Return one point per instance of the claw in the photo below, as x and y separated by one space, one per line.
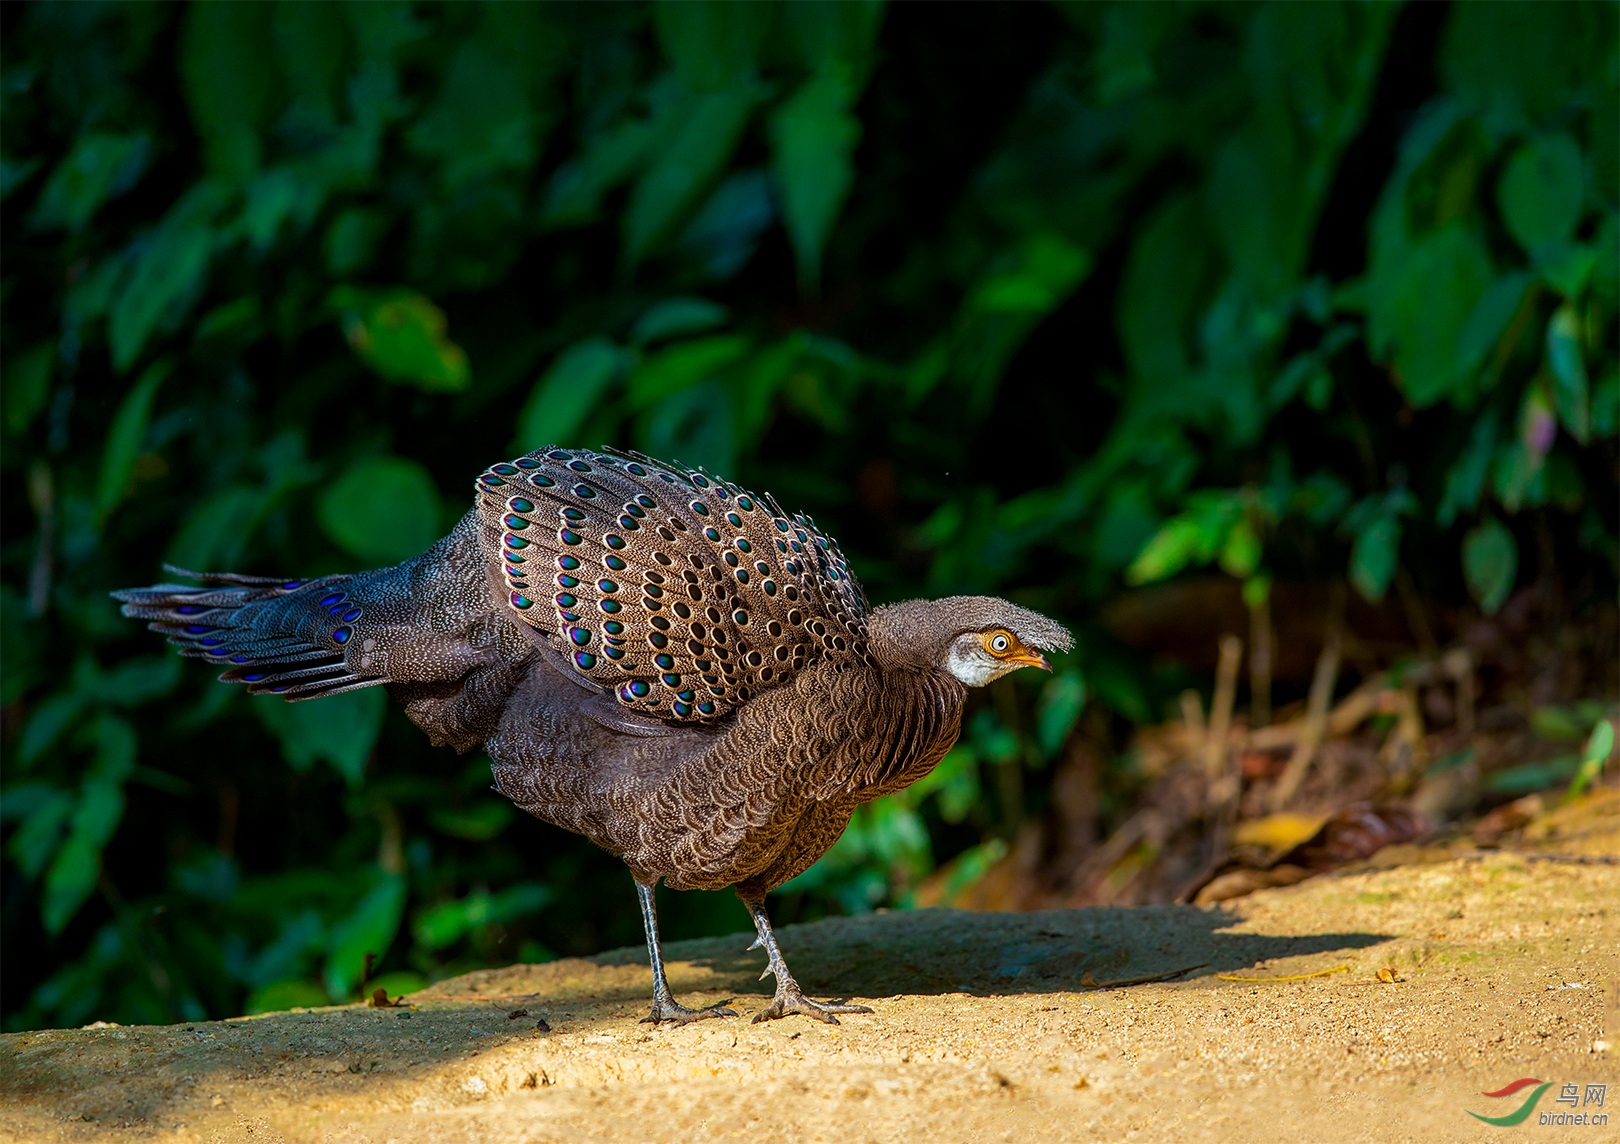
786 1003
758 944
674 1013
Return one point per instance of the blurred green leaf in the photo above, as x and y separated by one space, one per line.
370 927
571 388
96 815
813 139
167 269
678 317
1490 563
341 729
1540 192
100 167
1373 557
686 162
28 384
352 238
382 509
1428 311
1240 554
125 438
1568 369
683 365
711 42
954 783
1062 700
480 822
402 336
447 922
35 840
283 995
217 529
228 80
1596 753
1529 777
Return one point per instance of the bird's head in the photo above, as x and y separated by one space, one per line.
978 639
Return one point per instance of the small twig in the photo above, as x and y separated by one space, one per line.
1294 977
1088 982
1316 707
1220 709
1260 662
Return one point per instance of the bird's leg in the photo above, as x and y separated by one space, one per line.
664 1006
789 997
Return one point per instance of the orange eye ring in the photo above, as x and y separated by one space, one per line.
1000 643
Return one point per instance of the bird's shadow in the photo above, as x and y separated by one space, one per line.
937 951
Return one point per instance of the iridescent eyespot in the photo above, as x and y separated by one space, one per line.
700 508
614 627
565 581
613 541
518 504
580 636
568 562
636 469
712 535
734 520
607 585
514 522
614 563
504 470
521 601
745 504
585 659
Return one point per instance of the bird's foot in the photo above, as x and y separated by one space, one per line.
669 1011
792 1000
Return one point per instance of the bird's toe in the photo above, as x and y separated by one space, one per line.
784 1004
673 1013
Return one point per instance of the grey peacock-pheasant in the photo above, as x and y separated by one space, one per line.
653 657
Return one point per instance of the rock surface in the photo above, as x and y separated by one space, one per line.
1504 964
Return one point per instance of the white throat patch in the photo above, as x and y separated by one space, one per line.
969 663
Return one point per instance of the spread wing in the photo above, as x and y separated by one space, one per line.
681 593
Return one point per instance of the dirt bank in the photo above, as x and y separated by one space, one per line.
1504 963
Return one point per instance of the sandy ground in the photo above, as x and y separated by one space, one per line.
1506 965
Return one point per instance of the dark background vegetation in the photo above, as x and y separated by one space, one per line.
1042 300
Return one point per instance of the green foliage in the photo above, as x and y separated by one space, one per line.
1038 301
381 509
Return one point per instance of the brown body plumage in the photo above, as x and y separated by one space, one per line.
653 658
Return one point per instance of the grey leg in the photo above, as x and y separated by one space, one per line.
665 1007
789 998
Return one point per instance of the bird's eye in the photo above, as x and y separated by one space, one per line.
999 643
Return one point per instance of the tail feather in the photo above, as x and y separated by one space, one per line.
285 637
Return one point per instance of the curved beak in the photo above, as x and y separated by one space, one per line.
1025 657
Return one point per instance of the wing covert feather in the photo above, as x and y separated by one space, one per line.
681 593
